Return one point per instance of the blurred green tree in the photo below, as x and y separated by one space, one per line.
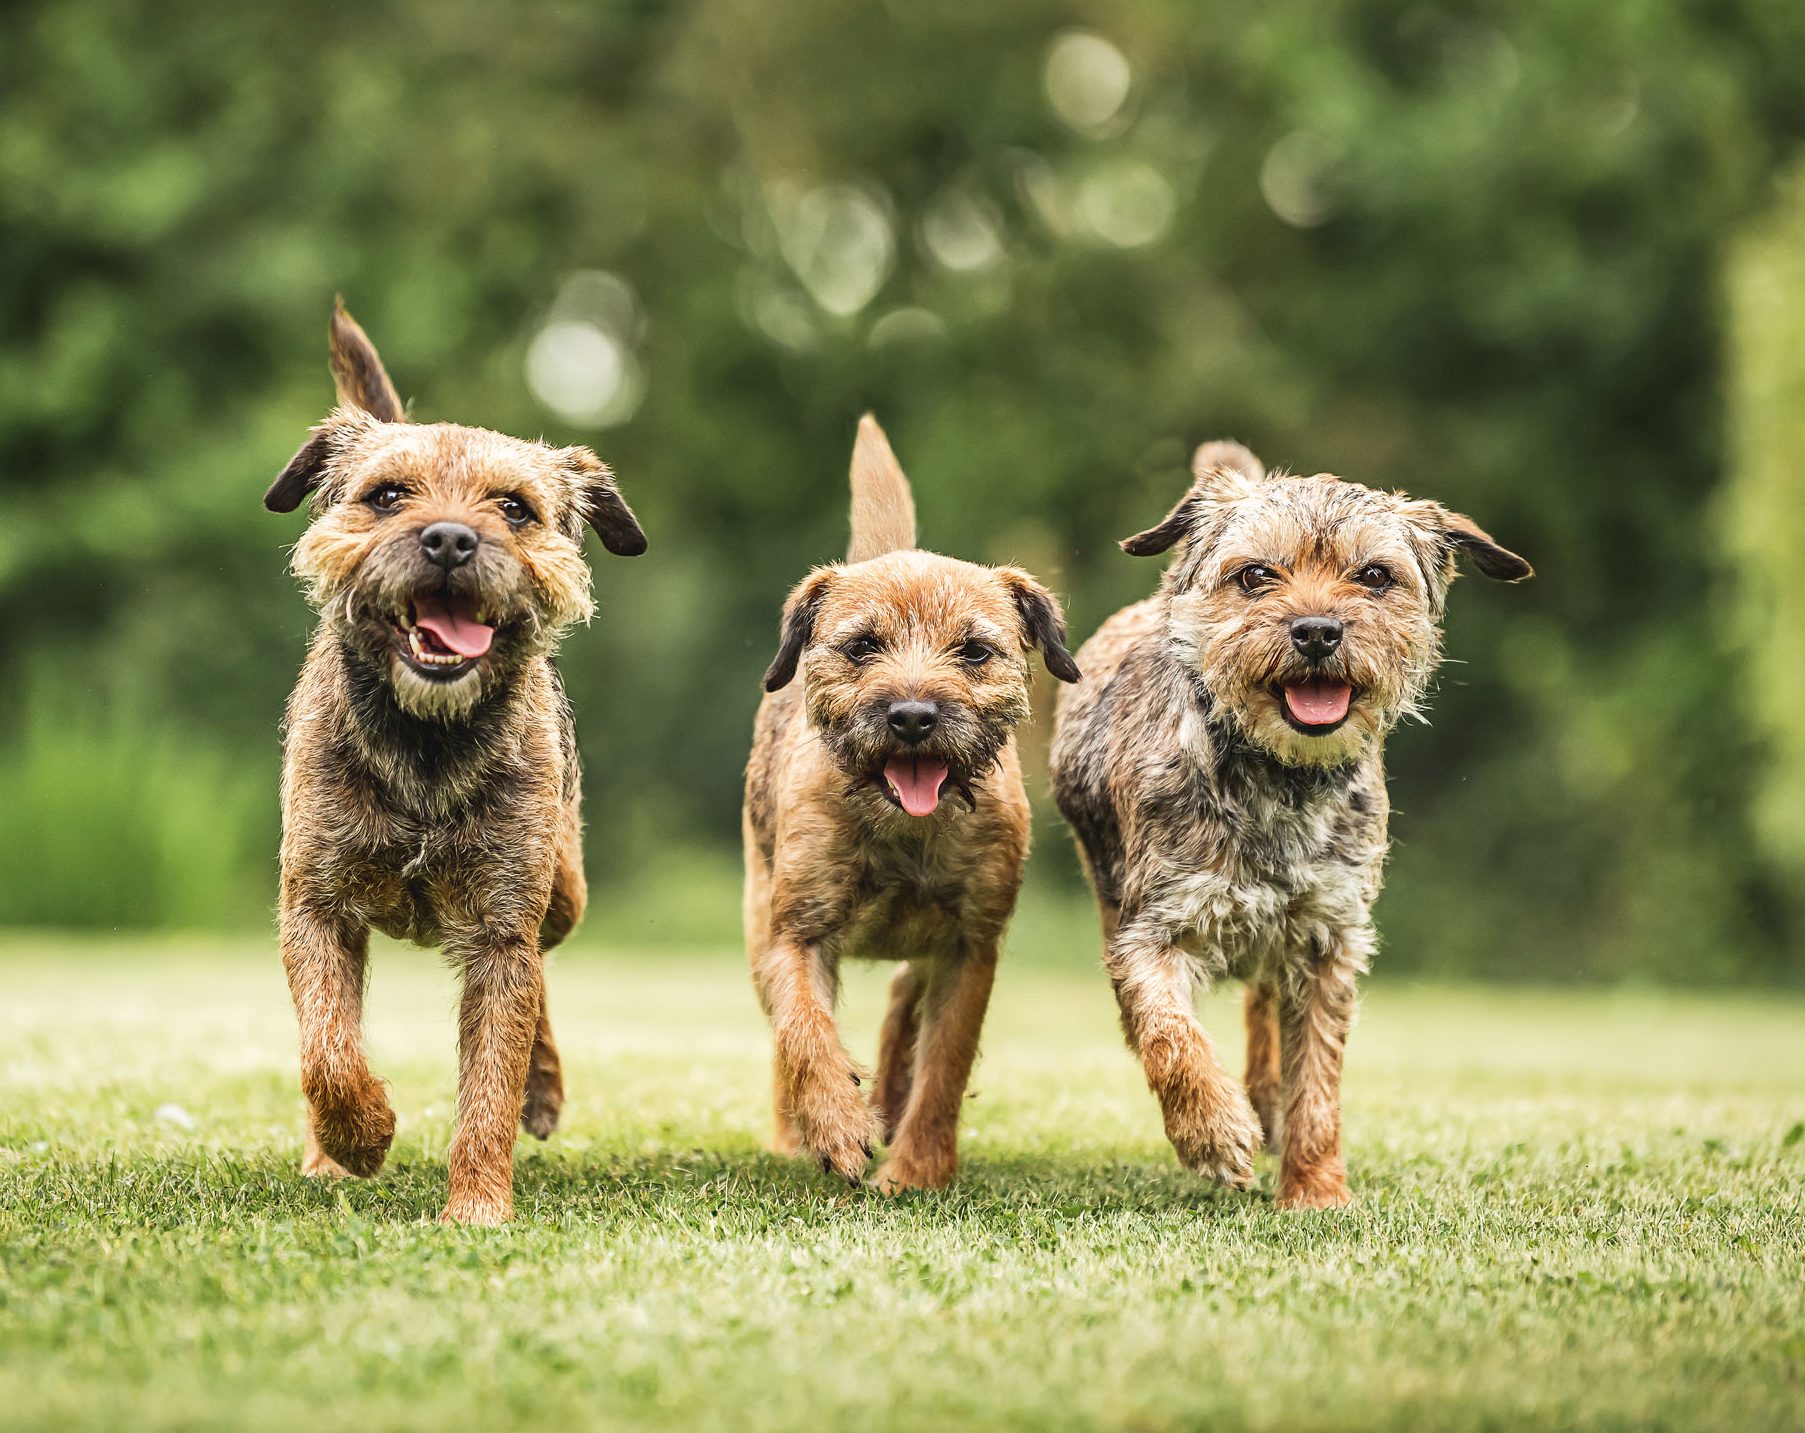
1467 249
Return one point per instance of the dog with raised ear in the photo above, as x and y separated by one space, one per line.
885 818
1221 766
430 788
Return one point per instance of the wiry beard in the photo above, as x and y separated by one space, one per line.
363 615
1244 667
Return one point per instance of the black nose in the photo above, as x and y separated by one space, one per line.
1316 637
450 544
912 721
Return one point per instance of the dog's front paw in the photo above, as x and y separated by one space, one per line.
356 1135
838 1128
1219 1139
477 1211
1321 1187
908 1168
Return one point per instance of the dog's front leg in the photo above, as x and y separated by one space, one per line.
1208 1118
817 1087
504 993
1316 1009
956 995
350 1124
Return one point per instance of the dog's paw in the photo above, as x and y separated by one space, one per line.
477 1212
1265 1101
1324 1187
356 1137
910 1169
1218 1140
544 1102
316 1164
839 1129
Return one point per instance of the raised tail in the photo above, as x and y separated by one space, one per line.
883 509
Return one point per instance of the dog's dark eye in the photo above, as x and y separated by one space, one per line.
387 497
1374 577
861 650
975 654
1253 577
515 510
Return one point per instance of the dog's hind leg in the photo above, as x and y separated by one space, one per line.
896 1048
1263 1080
350 1124
544 1080
545 1073
956 995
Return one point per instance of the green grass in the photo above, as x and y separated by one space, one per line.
1574 1210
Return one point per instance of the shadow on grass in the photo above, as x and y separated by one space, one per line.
567 1188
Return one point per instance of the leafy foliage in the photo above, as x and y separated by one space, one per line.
1469 250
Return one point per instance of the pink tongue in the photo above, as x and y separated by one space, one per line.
463 635
1318 703
916 780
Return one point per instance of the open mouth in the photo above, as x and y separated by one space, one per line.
443 637
913 780
1315 706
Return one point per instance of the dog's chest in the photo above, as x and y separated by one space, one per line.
1279 871
907 904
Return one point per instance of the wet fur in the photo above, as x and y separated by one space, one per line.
443 813
1222 842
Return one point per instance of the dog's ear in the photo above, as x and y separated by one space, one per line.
1498 563
601 505
1225 456
357 370
1218 470
1455 534
1043 625
303 473
799 614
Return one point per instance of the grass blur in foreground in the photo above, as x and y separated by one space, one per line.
1580 1210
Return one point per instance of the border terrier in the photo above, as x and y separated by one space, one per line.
430 787
1221 767
885 818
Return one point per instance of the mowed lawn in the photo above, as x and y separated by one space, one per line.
1575 1209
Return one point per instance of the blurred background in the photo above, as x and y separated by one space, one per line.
1545 263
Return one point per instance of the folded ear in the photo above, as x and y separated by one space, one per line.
1497 563
357 370
1043 625
1218 470
1164 535
303 473
602 506
798 627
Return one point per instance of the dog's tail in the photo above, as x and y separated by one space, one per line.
883 509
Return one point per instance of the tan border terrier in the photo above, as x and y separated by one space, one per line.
1221 767
430 788
885 818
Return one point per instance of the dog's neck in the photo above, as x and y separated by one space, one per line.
426 765
1250 775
